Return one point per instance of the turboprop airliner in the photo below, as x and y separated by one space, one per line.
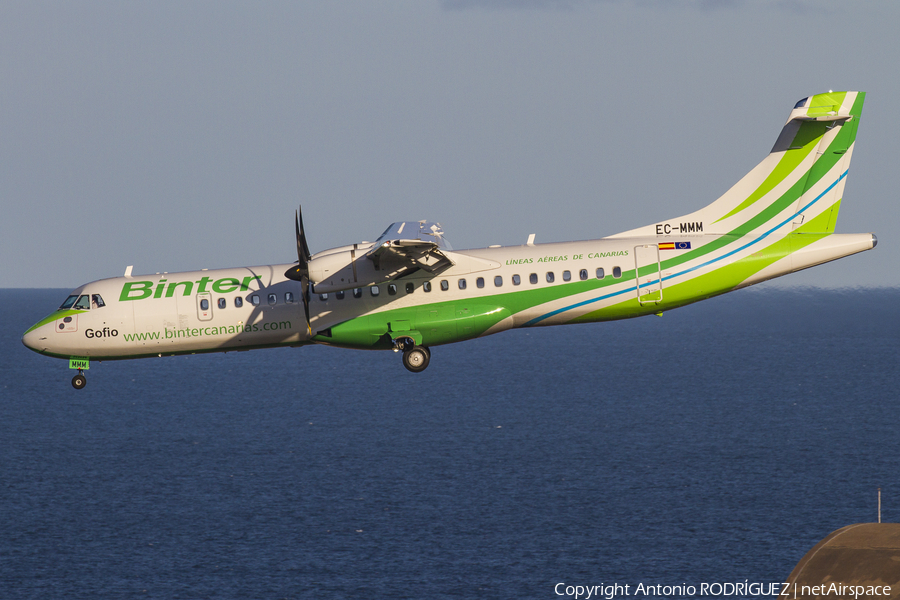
409 291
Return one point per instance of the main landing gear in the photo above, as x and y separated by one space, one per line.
79 381
415 358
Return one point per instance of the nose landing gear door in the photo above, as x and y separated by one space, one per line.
648 279
204 306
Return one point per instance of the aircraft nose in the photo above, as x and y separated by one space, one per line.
36 338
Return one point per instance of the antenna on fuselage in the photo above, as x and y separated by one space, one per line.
128 270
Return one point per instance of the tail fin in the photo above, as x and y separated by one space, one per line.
802 178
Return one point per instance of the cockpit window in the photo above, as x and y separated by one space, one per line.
97 301
84 303
69 302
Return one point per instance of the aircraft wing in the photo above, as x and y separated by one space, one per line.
413 244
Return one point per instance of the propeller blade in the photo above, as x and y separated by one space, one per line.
301 271
302 248
304 283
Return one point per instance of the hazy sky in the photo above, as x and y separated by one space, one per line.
182 135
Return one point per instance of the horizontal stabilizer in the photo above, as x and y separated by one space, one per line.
822 107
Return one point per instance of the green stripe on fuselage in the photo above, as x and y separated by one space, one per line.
458 319
721 280
54 316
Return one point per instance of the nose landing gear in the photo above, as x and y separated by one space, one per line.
79 381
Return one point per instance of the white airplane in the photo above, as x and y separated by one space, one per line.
409 291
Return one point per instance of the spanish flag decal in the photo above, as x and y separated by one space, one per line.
675 246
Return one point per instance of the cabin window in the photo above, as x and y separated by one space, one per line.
289 297
445 285
222 302
339 295
238 302
532 278
84 303
272 299
357 292
462 284
600 273
516 280
97 301
323 297
479 282
374 290
550 277
426 287
254 299
617 272
69 302
410 287
567 276
583 274
498 281
392 289
204 304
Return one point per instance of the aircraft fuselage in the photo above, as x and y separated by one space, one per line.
222 310
408 290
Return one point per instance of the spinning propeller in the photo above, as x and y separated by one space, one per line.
301 271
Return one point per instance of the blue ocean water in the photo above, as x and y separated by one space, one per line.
715 444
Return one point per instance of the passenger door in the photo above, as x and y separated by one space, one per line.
647 276
204 306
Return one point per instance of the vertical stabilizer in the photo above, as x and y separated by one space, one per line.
801 179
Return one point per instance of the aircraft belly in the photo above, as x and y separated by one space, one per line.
435 324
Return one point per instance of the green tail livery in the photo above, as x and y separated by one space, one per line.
409 291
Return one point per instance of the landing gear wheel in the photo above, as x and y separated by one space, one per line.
417 359
79 381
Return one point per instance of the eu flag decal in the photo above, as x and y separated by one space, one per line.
675 246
